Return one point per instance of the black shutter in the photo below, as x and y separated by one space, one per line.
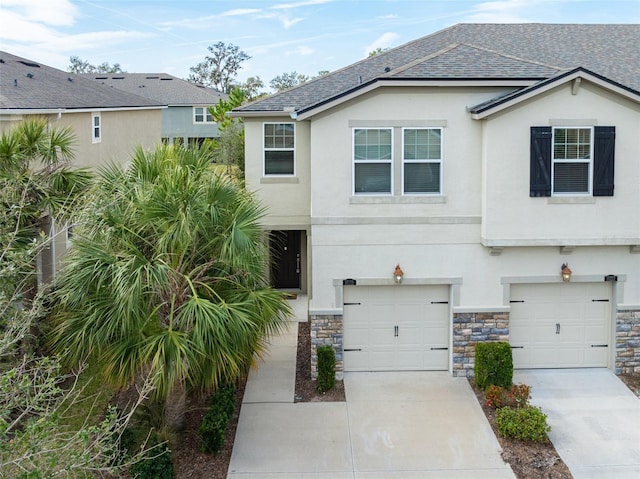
540 161
603 160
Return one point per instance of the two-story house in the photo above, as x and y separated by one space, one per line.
108 123
481 160
186 120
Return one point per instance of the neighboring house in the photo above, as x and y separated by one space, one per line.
108 123
187 119
479 159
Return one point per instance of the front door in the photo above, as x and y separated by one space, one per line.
285 259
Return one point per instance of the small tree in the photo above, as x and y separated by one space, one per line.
288 80
77 65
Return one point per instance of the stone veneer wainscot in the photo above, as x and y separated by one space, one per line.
628 341
327 330
472 328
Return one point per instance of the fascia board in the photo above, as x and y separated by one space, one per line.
603 83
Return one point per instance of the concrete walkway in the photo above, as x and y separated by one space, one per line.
595 420
423 425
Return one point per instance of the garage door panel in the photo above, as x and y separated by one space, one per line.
396 327
555 325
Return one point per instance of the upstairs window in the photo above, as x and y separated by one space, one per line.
96 128
422 161
279 149
201 115
572 161
572 154
372 161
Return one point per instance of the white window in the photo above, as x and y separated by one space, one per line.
572 161
279 149
96 128
201 115
372 161
421 161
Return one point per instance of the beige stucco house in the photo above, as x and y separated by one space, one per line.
108 123
480 159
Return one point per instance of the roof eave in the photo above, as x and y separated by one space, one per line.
549 84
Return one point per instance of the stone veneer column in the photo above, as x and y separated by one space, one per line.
628 341
326 330
472 328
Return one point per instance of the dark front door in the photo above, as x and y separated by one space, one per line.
285 259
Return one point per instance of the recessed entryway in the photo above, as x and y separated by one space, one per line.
286 258
560 325
395 328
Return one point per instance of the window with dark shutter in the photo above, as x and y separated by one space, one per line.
540 161
603 160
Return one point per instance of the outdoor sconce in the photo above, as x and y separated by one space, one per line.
398 274
566 273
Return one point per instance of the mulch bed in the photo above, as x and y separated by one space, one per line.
528 460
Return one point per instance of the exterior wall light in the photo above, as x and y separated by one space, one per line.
565 273
398 274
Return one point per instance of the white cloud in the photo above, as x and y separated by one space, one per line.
288 23
304 3
391 16
208 20
502 11
302 50
383 41
238 12
50 12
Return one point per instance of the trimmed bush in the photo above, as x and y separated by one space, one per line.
516 397
213 428
493 365
527 423
157 465
326 368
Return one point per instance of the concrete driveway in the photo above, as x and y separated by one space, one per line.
595 420
423 425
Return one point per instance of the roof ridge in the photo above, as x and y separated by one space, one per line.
420 60
512 57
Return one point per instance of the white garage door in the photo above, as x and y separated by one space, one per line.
560 325
393 328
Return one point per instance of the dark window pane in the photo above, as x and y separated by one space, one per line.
278 162
571 178
422 177
372 178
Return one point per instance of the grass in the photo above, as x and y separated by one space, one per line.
93 396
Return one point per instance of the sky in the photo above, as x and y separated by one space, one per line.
306 36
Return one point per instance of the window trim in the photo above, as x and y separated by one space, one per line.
390 162
205 115
96 138
265 149
590 161
439 161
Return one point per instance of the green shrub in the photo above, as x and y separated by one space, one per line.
527 423
516 397
493 365
326 368
157 465
213 428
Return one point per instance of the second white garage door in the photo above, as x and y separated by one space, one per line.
562 325
394 328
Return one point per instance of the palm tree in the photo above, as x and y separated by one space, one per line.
166 278
36 181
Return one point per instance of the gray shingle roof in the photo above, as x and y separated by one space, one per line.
481 51
25 84
161 87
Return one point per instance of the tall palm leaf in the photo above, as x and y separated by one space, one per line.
166 276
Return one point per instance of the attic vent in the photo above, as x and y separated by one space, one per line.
1 60
387 69
152 78
117 78
69 78
29 64
29 75
102 78
166 78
